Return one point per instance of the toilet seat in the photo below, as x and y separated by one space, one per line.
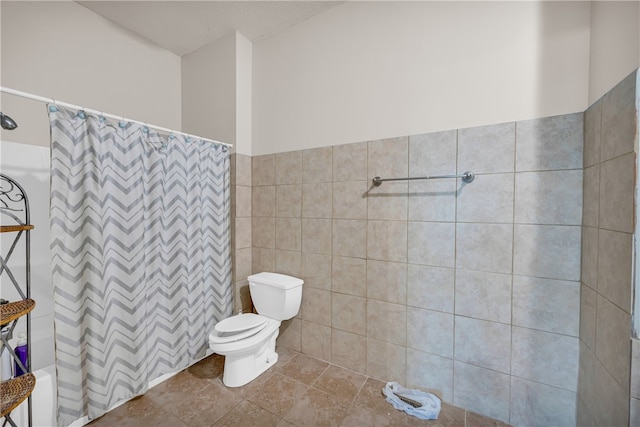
237 327
240 322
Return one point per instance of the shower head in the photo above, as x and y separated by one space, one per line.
7 122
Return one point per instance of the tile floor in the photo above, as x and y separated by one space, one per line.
298 391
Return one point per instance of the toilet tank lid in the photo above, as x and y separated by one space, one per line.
276 279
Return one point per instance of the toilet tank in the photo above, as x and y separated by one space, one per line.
274 295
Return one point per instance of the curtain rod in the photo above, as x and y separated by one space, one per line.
111 116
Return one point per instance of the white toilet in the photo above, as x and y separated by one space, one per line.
248 341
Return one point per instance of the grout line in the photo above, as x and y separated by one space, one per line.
513 258
455 255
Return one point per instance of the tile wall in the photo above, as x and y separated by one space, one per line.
469 290
607 255
241 250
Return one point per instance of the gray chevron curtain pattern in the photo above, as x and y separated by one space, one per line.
140 256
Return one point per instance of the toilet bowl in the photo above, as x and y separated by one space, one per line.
248 352
248 341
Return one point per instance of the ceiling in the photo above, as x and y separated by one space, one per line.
185 26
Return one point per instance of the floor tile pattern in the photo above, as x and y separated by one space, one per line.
298 391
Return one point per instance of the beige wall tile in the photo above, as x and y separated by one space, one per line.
242 237
544 357
432 200
289 168
483 295
387 321
350 200
290 334
316 235
611 407
242 264
232 169
583 414
430 373
588 298
430 331
591 190
388 158
387 240
349 313
387 281
482 391
483 343
635 369
263 260
288 234
587 387
263 201
263 232
590 256
547 251
610 135
430 287
317 200
552 197
349 276
617 184
431 243
533 306
317 165
316 340
316 270
263 170
242 296
388 202
550 143
592 132
484 247
288 262
634 412
489 198
619 119
242 202
487 149
316 306
243 170
386 361
350 162
349 350
288 201
349 238
615 269
539 404
613 343
379 290
432 153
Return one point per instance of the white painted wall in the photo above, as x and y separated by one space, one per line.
209 90
615 44
244 100
371 70
216 91
64 51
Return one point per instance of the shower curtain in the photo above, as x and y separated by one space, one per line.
141 260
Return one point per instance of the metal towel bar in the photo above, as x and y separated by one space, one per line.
466 177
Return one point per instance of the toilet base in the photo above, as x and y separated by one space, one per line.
241 368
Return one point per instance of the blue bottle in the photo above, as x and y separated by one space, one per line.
21 351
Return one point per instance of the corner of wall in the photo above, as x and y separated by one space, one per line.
244 93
